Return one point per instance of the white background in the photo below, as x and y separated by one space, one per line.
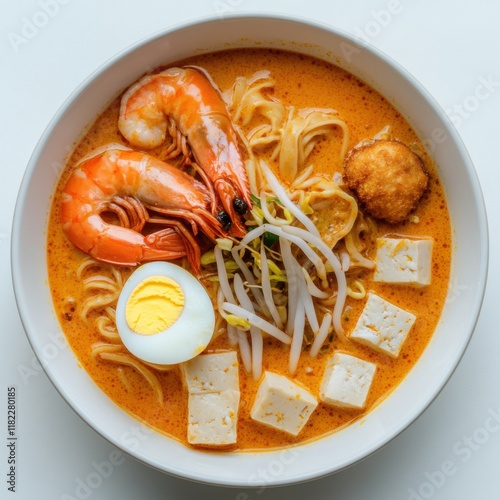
451 47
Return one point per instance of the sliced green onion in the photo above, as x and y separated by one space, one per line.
231 266
270 239
255 200
208 258
305 206
224 243
238 322
288 215
273 267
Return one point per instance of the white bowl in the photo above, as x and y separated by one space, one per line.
405 404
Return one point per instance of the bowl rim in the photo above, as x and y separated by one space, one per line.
356 42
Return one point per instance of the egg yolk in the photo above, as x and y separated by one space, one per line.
154 305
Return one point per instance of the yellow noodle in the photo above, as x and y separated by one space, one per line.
160 368
127 359
84 265
100 347
107 328
97 301
356 290
123 379
301 133
100 283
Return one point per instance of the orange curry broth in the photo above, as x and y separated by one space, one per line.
304 82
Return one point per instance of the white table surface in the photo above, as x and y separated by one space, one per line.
451 47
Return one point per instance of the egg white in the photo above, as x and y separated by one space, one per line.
187 336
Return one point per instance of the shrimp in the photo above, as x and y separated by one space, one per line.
128 184
187 96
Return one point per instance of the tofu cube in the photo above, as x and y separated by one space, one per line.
211 373
213 418
382 326
282 404
212 382
403 261
346 381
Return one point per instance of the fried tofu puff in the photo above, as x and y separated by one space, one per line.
388 179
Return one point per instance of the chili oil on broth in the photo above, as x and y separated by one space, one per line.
301 81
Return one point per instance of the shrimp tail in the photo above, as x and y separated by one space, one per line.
122 246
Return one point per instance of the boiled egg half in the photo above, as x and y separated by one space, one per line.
164 314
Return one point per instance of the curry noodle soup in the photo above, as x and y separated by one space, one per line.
311 127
